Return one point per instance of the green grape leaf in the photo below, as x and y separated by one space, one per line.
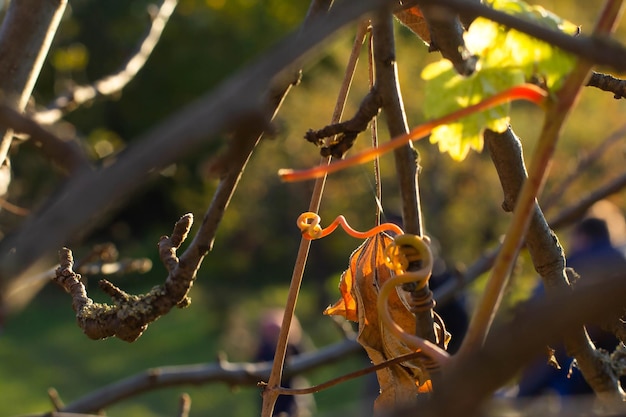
506 58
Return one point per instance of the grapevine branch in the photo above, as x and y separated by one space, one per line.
607 82
405 158
446 33
130 315
270 393
348 130
600 50
113 83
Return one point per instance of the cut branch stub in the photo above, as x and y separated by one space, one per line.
346 132
129 315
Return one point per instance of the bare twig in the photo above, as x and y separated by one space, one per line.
607 82
269 393
130 315
348 130
225 372
55 398
352 375
12 208
583 163
113 83
446 33
575 211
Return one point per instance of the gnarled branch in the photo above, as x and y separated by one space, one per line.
130 315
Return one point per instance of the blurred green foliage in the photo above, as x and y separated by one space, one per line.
249 269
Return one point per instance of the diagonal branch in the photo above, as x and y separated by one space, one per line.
86 197
113 83
601 50
64 153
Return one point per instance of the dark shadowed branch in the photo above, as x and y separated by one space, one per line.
469 383
607 82
597 49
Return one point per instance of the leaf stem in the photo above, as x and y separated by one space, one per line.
528 92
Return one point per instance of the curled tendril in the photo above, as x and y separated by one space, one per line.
408 249
309 224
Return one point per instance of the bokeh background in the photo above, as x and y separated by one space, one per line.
249 269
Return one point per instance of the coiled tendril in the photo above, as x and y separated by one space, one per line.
405 251
309 224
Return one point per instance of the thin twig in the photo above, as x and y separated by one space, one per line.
113 83
349 376
14 209
55 398
583 163
575 211
269 393
598 49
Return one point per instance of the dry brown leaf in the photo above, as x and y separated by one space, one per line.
359 288
413 19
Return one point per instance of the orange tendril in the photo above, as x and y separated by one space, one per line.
528 92
309 224
396 259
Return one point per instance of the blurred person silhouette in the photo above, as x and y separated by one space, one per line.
593 256
269 326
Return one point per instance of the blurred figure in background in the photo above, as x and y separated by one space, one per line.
593 256
286 405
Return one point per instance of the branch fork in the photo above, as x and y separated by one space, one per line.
129 315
